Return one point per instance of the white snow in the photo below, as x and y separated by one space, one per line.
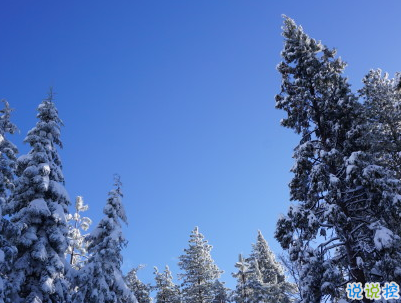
59 189
383 238
359 262
333 180
58 213
45 168
48 285
350 168
396 199
1 256
40 206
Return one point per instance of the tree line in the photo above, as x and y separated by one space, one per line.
343 225
259 278
46 256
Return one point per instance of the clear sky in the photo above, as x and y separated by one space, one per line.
177 96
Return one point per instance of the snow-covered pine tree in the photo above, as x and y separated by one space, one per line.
8 152
199 270
138 288
382 110
77 246
271 270
346 201
7 254
250 287
38 209
242 292
272 273
259 290
220 292
101 279
8 159
166 290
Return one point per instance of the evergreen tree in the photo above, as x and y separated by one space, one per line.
138 288
77 248
8 153
250 287
255 283
220 292
101 280
7 167
242 292
199 269
271 272
260 278
166 290
38 209
7 254
346 200
382 110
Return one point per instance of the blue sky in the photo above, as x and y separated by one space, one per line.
178 98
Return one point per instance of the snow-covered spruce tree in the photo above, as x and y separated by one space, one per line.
199 270
220 292
8 159
342 226
38 208
259 290
250 287
382 110
7 254
77 246
166 290
8 152
272 273
242 292
138 288
101 280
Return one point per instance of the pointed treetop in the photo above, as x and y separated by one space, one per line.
114 207
261 239
50 94
118 184
6 126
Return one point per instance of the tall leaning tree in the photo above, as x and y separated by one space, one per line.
346 203
8 152
38 209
